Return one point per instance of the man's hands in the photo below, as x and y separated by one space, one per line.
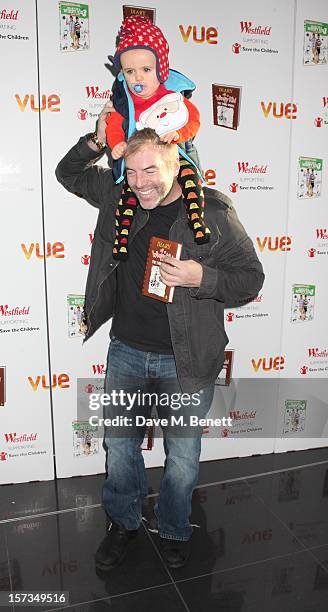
119 150
170 137
101 125
177 273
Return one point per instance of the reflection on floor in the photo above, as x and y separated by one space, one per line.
260 542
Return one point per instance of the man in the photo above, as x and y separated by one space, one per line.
175 348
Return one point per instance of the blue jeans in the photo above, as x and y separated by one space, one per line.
134 371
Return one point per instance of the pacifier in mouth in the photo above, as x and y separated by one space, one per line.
138 88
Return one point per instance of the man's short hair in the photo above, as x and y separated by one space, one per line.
148 136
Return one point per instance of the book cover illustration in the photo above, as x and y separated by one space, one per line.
85 439
226 105
224 377
309 177
294 417
303 297
315 48
139 11
75 307
153 287
73 26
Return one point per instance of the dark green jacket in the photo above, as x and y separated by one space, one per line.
232 273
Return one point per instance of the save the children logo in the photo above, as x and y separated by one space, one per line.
317 360
31 102
268 364
279 110
199 34
16 319
55 249
321 246
82 114
85 258
61 381
251 177
255 39
274 243
322 118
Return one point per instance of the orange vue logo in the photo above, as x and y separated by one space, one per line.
268 363
279 110
277 243
199 34
29 101
56 249
61 381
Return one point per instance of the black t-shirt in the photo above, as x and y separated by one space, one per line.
141 321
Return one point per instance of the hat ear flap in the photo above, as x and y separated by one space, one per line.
193 198
124 215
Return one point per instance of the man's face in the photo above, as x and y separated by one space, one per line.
139 68
152 177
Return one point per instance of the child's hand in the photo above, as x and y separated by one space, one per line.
170 137
119 150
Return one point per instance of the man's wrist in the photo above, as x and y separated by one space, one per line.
96 143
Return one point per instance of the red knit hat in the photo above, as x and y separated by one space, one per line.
140 33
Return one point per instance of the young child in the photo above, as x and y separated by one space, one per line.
148 94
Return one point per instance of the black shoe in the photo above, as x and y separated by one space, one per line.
112 549
175 552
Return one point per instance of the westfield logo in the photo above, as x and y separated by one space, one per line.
50 103
14 438
247 27
274 243
99 368
62 381
247 168
52 250
314 352
6 15
199 34
236 415
279 110
321 234
5 311
268 363
93 92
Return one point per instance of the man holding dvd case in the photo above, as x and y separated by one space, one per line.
157 349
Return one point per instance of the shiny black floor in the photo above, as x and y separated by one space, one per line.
260 541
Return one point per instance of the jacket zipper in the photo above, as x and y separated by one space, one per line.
113 267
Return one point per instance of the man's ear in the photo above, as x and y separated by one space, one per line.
176 167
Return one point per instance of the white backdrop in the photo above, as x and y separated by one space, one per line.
289 232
